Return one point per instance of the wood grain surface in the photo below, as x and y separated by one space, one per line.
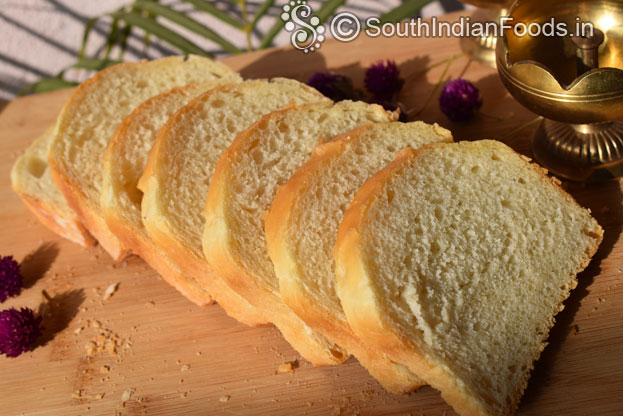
175 358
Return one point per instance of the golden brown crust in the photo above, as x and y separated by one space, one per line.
219 250
394 377
163 236
360 304
136 239
370 322
63 175
69 228
95 224
142 246
70 191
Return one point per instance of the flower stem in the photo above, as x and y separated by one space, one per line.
435 65
437 85
491 116
521 128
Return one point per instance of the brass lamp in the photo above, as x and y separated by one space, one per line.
575 82
482 48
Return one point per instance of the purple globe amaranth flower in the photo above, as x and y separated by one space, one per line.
11 279
334 86
460 100
383 80
18 331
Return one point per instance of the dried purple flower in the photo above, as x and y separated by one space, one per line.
18 331
11 279
334 86
383 80
460 100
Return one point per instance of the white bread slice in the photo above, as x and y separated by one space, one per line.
312 204
177 176
124 161
244 184
92 114
455 260
31 179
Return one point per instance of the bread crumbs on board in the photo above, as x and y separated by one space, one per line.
110 290
224 399
288 367
105 341
127 395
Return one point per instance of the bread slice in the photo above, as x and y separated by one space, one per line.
92 114
244 184
31 179
455 260
177 176
312 204
124 161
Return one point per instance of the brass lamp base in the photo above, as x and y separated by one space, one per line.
482 48
580 152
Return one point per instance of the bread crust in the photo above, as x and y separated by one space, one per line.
52 212
218 249
142 246
134 238
355 286
71 192
392 376
163 235
63 175
69 228
92 222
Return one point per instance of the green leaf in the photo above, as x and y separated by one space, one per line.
123 40
47 84
408 8
163 33
268 38
146 36
187 23
328 8
91 64
88 27
208 7
94 64
112 37
261 11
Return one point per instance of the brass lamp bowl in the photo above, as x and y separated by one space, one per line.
482 48
575 82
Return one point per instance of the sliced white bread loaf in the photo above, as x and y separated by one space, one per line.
455 260
124 161
177 176
92 114
244 184
31 179
302 224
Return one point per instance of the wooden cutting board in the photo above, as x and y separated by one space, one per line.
176 358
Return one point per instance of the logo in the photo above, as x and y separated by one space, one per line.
307 35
